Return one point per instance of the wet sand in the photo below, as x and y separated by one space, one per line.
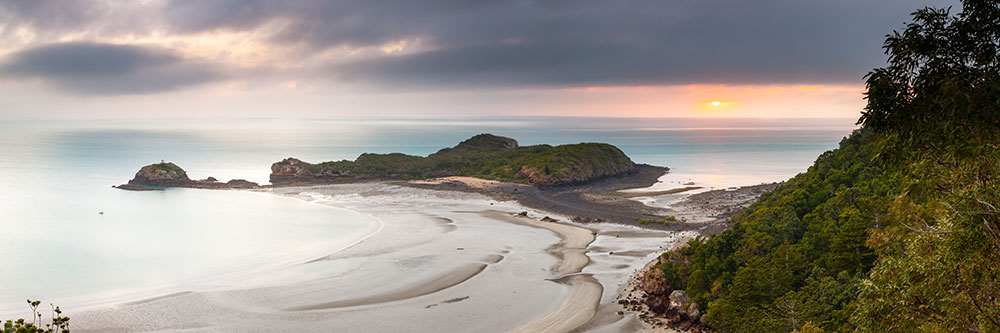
585 292
452 256
444 261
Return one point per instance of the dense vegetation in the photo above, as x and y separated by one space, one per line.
489 157
898 229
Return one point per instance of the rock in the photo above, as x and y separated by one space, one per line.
678 299
523 214
653 283
656 305
241 183
132 187
293 169
211 179
549 219
693 312
587 219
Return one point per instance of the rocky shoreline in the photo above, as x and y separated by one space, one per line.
659 306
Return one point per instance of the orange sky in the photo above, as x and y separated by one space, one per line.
320 99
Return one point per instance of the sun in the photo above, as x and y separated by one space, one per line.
716 103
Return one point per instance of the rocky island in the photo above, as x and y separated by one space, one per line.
483 156
164 174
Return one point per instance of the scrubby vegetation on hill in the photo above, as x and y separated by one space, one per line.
899 228
484 156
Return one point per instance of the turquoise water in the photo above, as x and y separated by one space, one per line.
56 176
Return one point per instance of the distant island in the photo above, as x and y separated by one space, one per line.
580 180
484 156
164 174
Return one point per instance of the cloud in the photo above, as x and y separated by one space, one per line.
501 43
107 69
577 43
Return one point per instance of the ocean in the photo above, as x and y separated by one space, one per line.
56 176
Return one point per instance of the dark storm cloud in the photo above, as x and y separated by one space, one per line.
52 15
105 69
569 42
587 42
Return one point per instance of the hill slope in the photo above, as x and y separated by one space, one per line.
898 230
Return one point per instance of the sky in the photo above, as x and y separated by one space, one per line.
96 59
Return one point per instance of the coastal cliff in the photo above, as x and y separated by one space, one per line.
165 174
483 156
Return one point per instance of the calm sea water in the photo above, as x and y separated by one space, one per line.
56 176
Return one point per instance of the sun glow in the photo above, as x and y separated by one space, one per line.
716 103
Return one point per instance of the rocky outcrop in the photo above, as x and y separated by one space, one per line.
164 174
293 170
679 300
660 305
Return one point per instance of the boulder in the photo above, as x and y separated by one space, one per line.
678 300
653 284
693 312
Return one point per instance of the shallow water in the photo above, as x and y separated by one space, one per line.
55 177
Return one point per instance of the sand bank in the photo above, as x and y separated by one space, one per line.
443 261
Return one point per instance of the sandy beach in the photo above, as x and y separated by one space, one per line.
441 261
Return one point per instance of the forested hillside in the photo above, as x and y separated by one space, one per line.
484 156
898 229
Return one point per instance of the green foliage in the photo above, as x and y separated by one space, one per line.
58 323
803 239
165 167
936 108
898 229
492 157
669 220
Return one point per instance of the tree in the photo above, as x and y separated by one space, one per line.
936 109
59 323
